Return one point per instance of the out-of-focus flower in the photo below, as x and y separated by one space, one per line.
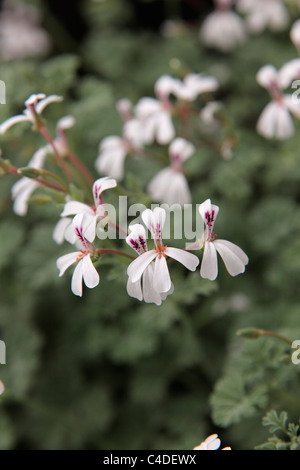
170 184
2 388
295 34
223 29
114 149
93 214
21 35
35 105
143 288
84 270
194 84
22 190
154 221
260 15
212 442
276 120
235 259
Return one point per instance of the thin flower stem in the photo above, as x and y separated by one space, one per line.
51 185
276 335
118 227
103 251
60 160
14 170
55 177
81 167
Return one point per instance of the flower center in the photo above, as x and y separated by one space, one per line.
161 251
82 254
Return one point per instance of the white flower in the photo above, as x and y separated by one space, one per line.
143 288
234 257
270 14
114 149
35 105
21 34
276 120
155 118
2 388
212 442
84 270
223 29
93 214
295 34
195 84
23 188
170 185
154 221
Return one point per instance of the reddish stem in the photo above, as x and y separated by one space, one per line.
103 251
64 167
81 167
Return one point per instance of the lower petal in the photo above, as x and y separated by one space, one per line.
209 265
162 280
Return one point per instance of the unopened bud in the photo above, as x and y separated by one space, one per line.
251 333
29 172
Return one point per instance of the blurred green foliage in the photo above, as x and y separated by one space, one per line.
109 372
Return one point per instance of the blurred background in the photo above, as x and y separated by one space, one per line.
107 371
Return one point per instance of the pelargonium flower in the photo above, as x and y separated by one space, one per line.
155 114
114 149
223 29
276 120
212 442
22 190
170 184
84 270
235 259
154 221
260 15
295 34
143 288
2 388
35 105
194 84
93 214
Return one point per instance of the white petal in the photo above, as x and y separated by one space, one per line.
59 230
209 264
293 105
111 162
137 238
149 293
181 148
165 131
138 266
100 185
21 192
188 260
66 260
233 256
65 122
90 274
38 158
162 280
208 208
41 105
76 207
266 75
76 283
154 220
12 121
134 289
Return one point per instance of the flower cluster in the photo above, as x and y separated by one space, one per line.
84 214
276 119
